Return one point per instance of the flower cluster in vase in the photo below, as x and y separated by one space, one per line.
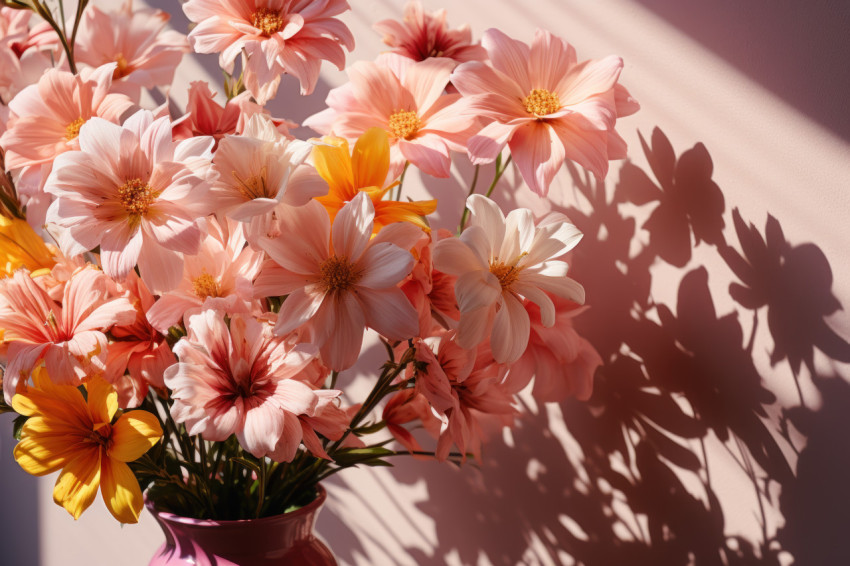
181 290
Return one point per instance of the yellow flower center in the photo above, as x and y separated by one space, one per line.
72 130
136 196
404 123
541 102
338 274
252 187
506 274
205 286
123 68
267 21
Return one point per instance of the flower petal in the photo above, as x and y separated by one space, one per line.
133 435
121 491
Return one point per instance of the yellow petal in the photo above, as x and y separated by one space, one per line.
61 402
333 163
76 487
42 455
20 247
370 161
121 491
103 400
133 434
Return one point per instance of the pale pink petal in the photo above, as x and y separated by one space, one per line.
389 313
511 329
384 265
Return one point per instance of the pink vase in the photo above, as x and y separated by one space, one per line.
286 539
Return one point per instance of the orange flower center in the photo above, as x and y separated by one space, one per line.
136 196
541 102
506 274
252 187
338 274
404 123
72 130
267 21
205 286
123 68
102 436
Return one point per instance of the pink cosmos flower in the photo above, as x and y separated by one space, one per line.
145 53
499 261
134 193
405 407
139 355
47 116
69 338
274 36
422 34
25 53
205 117
561 361
545 105
219 276
241 380
260 172
405 98
339 281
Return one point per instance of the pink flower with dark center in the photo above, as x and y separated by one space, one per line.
340 281
274 36
241 380
134 193
405 99
139 355
545 105
69 336
145 53
499 261
422 34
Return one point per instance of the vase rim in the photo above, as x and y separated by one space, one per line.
321 496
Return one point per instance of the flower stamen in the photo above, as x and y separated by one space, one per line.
205 286
72 130
136 197
541 102
506 274
123 68
338 274
252 187
267 21
404 124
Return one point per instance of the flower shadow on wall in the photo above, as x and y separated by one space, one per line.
638 475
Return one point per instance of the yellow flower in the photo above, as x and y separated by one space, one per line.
365 170
20 247
64 431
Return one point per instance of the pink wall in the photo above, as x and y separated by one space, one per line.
716 273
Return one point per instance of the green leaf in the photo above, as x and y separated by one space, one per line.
18 426
247 463
370 456
369 428
4 408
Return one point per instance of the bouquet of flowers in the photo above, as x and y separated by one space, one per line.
181 289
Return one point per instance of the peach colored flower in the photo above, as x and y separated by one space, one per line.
404 98
139 355
219 276
498 261
241 380
560 360
545 105
274 36
69 337
205 117
145 53
134 193
47 116
405 407
422 34
339 281
25 53
258 173
430 291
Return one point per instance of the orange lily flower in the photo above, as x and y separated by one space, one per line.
365 170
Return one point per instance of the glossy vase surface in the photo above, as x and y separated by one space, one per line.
282 540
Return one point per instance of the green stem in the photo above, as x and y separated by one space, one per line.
499 173
261 490
471 192
401 181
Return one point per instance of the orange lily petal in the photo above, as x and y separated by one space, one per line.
121 491
333 163
133 434
370 161
103 400
42 455
76 487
